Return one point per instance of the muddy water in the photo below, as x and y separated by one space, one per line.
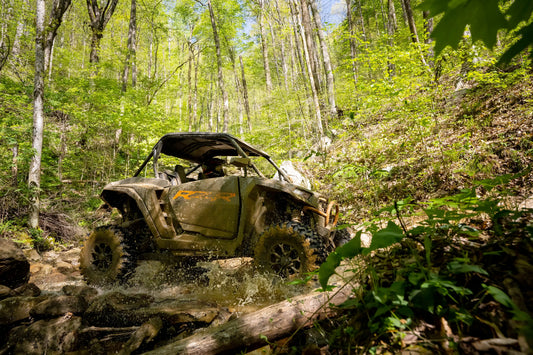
230 283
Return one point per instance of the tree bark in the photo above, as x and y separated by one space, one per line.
311 74
410 20
99 17
353 45
131 54
34 176
264 48
330 80
245 96
59 7
223 93
250 330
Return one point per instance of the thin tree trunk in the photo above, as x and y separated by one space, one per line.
59 7
264 48
245 96
391 29
330 82
132 50
411 21
223 93
312 54
353 45
34 176
14 165
314 91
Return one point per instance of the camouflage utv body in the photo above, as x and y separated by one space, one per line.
181 211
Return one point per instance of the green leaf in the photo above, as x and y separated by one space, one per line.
457 267
500 297
483 16
385 237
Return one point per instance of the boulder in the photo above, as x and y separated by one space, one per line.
56 336
86 292
15 309
6 292
58 306
118 310
14 267
28 290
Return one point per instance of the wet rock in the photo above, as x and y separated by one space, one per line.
145 334
176 311
57 336
58 306
5 292
120 310
27 290
64 267
14 267
86 292
15 309
116 309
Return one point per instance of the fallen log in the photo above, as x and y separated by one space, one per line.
256 329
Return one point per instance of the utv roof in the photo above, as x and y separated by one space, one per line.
199 147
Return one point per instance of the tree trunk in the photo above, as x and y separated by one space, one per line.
245 96
312 55
264 48
353 45
411 20
132 50
311 74
15 166
223 93
34 176
261 327
330 80
391 30
99 17
59 7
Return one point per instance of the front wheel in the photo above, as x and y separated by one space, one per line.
104 258
289 250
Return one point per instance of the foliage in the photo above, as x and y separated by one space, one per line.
485 19
439 269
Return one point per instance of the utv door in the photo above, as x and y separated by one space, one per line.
209 207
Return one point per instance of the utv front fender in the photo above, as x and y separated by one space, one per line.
147 201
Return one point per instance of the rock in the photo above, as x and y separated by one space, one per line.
116 309
86 292
28 290
145 334
58 306
14 267
57 336
32 255
64 267
119 310
6 292
15 309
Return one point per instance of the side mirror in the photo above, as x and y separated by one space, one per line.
240 162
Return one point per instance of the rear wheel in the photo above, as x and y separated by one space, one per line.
105 258
289 250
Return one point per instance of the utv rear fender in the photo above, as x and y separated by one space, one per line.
149 202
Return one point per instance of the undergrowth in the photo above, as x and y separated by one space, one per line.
452 282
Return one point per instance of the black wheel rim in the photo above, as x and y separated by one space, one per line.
102 256
285 260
